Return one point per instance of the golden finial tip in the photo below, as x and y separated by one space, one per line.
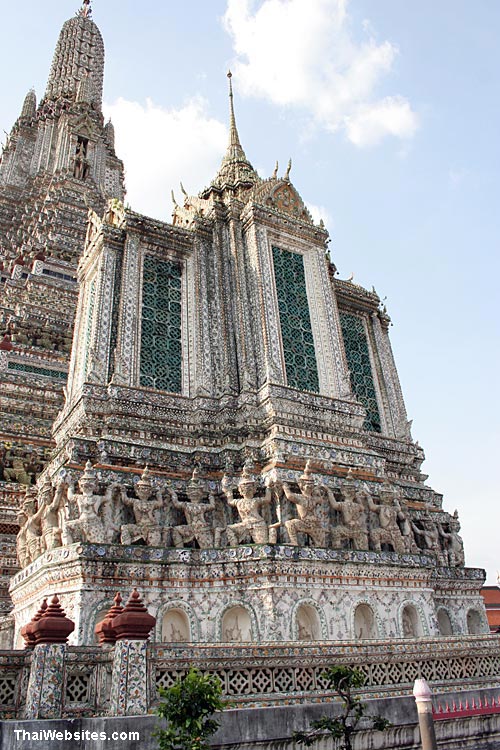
86 9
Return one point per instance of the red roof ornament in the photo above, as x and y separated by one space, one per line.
134 623
53 626
27 630
104 630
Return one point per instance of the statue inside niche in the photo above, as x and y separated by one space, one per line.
89 526
198 528
453 543
175 635
306 501
352 510
81 164
252 524
304 629
144 506
389 512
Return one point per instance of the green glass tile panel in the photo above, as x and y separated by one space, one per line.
295 321
161 346
57 374
358 361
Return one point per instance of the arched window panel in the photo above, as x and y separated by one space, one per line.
364 623
308 624
295 321
236 626
175 627
411 625
474 624
161 323
358 361
444 622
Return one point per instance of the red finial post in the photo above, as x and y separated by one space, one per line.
53 626
104 629
134 623
27 630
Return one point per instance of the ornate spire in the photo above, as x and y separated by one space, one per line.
29 106
235 168
234 150
86 10
79 53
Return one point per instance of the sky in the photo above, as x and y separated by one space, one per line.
391 114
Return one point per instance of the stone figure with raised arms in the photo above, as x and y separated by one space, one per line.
252 524
389 511
51 504
145 507
430 536
89 526
32 529
198 527
453 543
306 501
352 510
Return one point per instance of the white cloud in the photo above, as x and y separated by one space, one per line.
161 147
392 116
301 53
320 212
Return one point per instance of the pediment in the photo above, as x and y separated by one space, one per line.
84 126
281 195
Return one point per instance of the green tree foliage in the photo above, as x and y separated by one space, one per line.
343 680
188 707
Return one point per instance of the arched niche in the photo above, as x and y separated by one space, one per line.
175 627
236 625
411 625
444 622
474 622
364 623
307 623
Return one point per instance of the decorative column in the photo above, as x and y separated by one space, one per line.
394 405
244 331
44 698
423 699
129 314
129 686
